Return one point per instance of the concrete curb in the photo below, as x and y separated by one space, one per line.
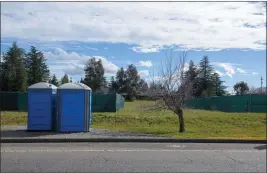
140 140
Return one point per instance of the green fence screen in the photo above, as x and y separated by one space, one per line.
107 102
16 101
119 102
244 103
23 102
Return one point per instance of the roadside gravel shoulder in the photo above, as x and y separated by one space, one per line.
8 132
19 134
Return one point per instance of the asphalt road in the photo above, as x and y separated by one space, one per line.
135 157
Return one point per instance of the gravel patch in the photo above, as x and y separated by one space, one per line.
13 132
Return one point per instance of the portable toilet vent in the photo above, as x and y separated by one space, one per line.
74 107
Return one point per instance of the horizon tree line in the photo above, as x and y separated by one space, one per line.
21 69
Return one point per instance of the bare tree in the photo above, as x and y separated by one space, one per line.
175 87
254 90
155 86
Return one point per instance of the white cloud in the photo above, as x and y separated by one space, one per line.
255 73
149 26
1 58
240 70
150 79
92 48
212 49
5 44
143 73
73 70
220 73
186 66
229 68
145 48
61 62
145 63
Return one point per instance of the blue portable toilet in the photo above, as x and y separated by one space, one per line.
74 107
41 106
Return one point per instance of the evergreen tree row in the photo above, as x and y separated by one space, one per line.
128 82
21 69
206 82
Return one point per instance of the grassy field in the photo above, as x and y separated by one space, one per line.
135 117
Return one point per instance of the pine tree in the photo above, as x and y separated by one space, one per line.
204 80
105 82
191 74
64 79
36 67
81 81
132 79
219 88
100 74
143 87
121 81
3 84
94 74
54 80
113 86
14 76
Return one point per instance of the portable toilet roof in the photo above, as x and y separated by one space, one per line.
42 85
74 86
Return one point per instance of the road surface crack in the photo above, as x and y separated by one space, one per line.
229 157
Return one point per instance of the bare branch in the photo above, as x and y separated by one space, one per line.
175 88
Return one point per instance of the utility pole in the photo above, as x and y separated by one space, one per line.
261 83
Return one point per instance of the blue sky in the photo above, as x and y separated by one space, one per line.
232 34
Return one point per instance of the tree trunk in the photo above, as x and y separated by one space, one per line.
181 121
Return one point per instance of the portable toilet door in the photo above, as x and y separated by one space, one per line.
73 107
41 106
